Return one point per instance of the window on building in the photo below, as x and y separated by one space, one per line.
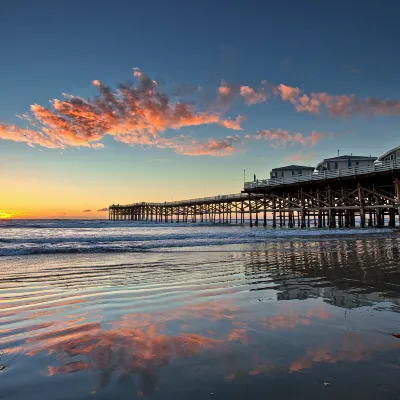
292 173
336 165
300 172
282 174
328 166
357 162
392 157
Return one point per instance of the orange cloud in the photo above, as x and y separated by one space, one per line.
235 124
130 114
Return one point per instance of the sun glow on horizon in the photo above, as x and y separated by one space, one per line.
5 214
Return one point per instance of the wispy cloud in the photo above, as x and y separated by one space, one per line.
301 157
282 138
100 209
213 147
132 114
352 69
87 211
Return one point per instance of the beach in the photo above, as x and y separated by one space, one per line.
99 309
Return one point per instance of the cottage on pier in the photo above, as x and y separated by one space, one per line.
291 170
343 162
391 155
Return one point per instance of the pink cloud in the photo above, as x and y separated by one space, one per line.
251 96
288 93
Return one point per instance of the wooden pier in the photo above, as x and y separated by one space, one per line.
364 196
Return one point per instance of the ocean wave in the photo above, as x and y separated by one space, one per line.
156 237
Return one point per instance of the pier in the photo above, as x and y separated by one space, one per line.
364 196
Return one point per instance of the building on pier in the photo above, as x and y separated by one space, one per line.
291 170
344 162
391 155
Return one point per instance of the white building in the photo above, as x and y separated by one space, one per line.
291 170
393 154
343 162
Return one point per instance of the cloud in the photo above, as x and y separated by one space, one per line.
102 209
338 105
86 211
343 105
213 147
132 114
302 102
235 124
229 92
301 157
251 96
281 138
352 69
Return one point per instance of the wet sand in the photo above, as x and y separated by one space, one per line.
289 318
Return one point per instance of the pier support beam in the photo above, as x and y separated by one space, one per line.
361 201
397 188
250 216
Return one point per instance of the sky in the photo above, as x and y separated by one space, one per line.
118 102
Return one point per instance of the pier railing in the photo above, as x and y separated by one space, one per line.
323 175
200 200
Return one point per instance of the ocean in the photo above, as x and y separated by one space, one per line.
124 310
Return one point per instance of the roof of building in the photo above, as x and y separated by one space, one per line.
388 153
292 167
347 157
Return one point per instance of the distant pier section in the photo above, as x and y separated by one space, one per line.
341 192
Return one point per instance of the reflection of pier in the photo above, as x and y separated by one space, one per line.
346 273
325 199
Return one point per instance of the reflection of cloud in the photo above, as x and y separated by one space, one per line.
290 319
352 347
132 352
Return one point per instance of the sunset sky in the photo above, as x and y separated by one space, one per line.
116 102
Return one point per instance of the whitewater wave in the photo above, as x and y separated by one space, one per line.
77 236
